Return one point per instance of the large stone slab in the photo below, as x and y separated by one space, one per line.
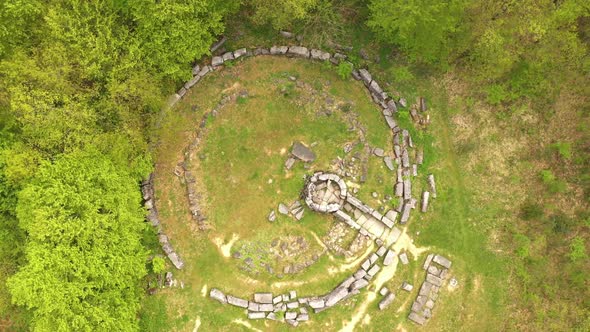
320 55
389 256
302 152
277 50
442 261
416 318
256 315
263 297
236 301
299 51
386 301
335 296
218 295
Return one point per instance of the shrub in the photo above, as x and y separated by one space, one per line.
344 70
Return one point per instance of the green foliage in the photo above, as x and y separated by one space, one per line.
18 20
158 265
496 94
550 180
344 69
523 245
577 249
84 256
280 14
171 34
323 22
564 149
423 29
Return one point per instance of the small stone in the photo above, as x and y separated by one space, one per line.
407 286
403 257
272 216
286 34
378 152
389 256
374 194
386 301
283 209
383 291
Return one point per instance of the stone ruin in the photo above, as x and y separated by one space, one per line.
328 193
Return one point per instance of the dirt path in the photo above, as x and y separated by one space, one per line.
246 324
225 249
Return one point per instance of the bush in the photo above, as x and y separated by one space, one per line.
496 94
577 249
344 70
564 149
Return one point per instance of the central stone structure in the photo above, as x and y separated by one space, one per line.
325 192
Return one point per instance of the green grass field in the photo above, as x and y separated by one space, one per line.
240 172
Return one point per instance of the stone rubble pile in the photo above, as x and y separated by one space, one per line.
437 268
147 189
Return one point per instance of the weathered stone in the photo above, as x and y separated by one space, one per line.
373 270
227 56
253 306
434 280
359 274
261 51
390 121
175 259
196 70
299 51
277 299
381 251
406 208
277 50
271 316
316 303
365 76
290 315
384 291
292 295
302 317
427 261
391 106
416 318
320 55
299 214
399 189
256 315
216 61
391 215
361 283
218 44
272 216
263 297
414 170
240 52
376 89
236 301
403 102
335 296
431 185
442 261
293 305
407 286
386 301
378 152
189 84
283 209
302 152
373 258
405 158
347 282
389 256
425 197
286 34
403 257
425 288
218 295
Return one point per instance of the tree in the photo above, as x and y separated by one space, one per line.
84 254
280 13
171 34
423 29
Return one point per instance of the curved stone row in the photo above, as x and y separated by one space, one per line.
147 189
